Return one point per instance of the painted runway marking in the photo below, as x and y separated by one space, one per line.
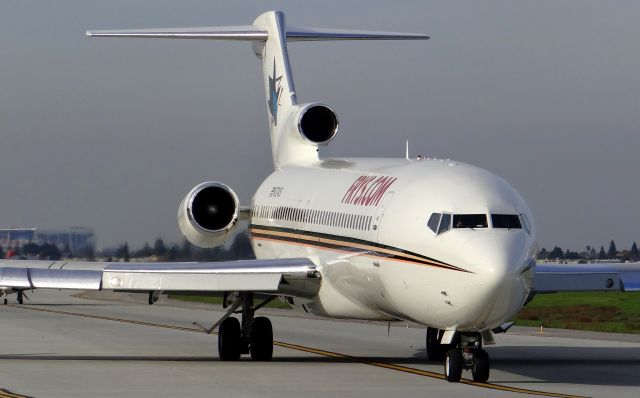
8 394
379 364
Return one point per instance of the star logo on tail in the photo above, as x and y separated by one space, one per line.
275 89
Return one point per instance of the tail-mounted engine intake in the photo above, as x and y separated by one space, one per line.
316 123
208 214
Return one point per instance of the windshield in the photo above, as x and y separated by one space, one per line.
509 221
470 221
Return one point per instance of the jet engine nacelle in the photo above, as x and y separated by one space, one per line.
315 123
208 214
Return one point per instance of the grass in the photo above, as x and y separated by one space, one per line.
601 311
277 303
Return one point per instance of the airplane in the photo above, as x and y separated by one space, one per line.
434 241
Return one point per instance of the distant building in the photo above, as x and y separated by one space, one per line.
77 239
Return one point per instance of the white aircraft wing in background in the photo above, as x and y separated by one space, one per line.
587 277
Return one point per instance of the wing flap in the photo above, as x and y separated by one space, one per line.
297 277
186 281
38 278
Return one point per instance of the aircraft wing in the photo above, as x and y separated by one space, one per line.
587 277
293 276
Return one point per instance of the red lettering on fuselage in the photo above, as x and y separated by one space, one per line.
367 190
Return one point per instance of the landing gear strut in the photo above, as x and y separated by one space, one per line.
435 350
254 335
464 353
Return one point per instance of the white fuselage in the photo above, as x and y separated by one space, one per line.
364 223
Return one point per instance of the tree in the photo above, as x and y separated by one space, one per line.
634 251
185 252
159 248
49 252
123 252
592 253
613 252
87 253
66 251
556 254
602 255
569 255
543 254
241 248
31 249
173 253
146 251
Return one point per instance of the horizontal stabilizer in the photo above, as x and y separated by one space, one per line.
252 33
246 33
315 34
269 36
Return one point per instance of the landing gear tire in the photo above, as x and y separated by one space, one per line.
435 350
481 366
261 339
6 301
229 340
20 298
453 365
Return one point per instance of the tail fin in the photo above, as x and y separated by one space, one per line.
269 35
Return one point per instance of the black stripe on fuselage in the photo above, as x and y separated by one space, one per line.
344 243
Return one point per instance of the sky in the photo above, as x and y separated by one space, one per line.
112 133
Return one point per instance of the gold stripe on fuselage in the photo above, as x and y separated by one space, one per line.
301 239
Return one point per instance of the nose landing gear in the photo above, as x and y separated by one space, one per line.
480 366
464 353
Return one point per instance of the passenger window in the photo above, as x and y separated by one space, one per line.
433 222
445 223
509 221
470 221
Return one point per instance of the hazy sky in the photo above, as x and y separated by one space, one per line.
112 133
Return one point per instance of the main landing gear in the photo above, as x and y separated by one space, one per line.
464 353
252 335
19 296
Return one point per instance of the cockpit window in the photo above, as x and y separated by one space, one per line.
525 223
445 223
470 221
433 222
509 221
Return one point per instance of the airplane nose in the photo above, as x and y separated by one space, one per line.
497 255
499 259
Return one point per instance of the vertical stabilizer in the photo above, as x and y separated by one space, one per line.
279 90
296 130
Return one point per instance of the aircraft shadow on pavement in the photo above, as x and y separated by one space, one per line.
123 358
170 358
615 366
619 366
70 305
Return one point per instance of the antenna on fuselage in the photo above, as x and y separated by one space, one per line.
406 150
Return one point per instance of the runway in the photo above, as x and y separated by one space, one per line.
58 345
